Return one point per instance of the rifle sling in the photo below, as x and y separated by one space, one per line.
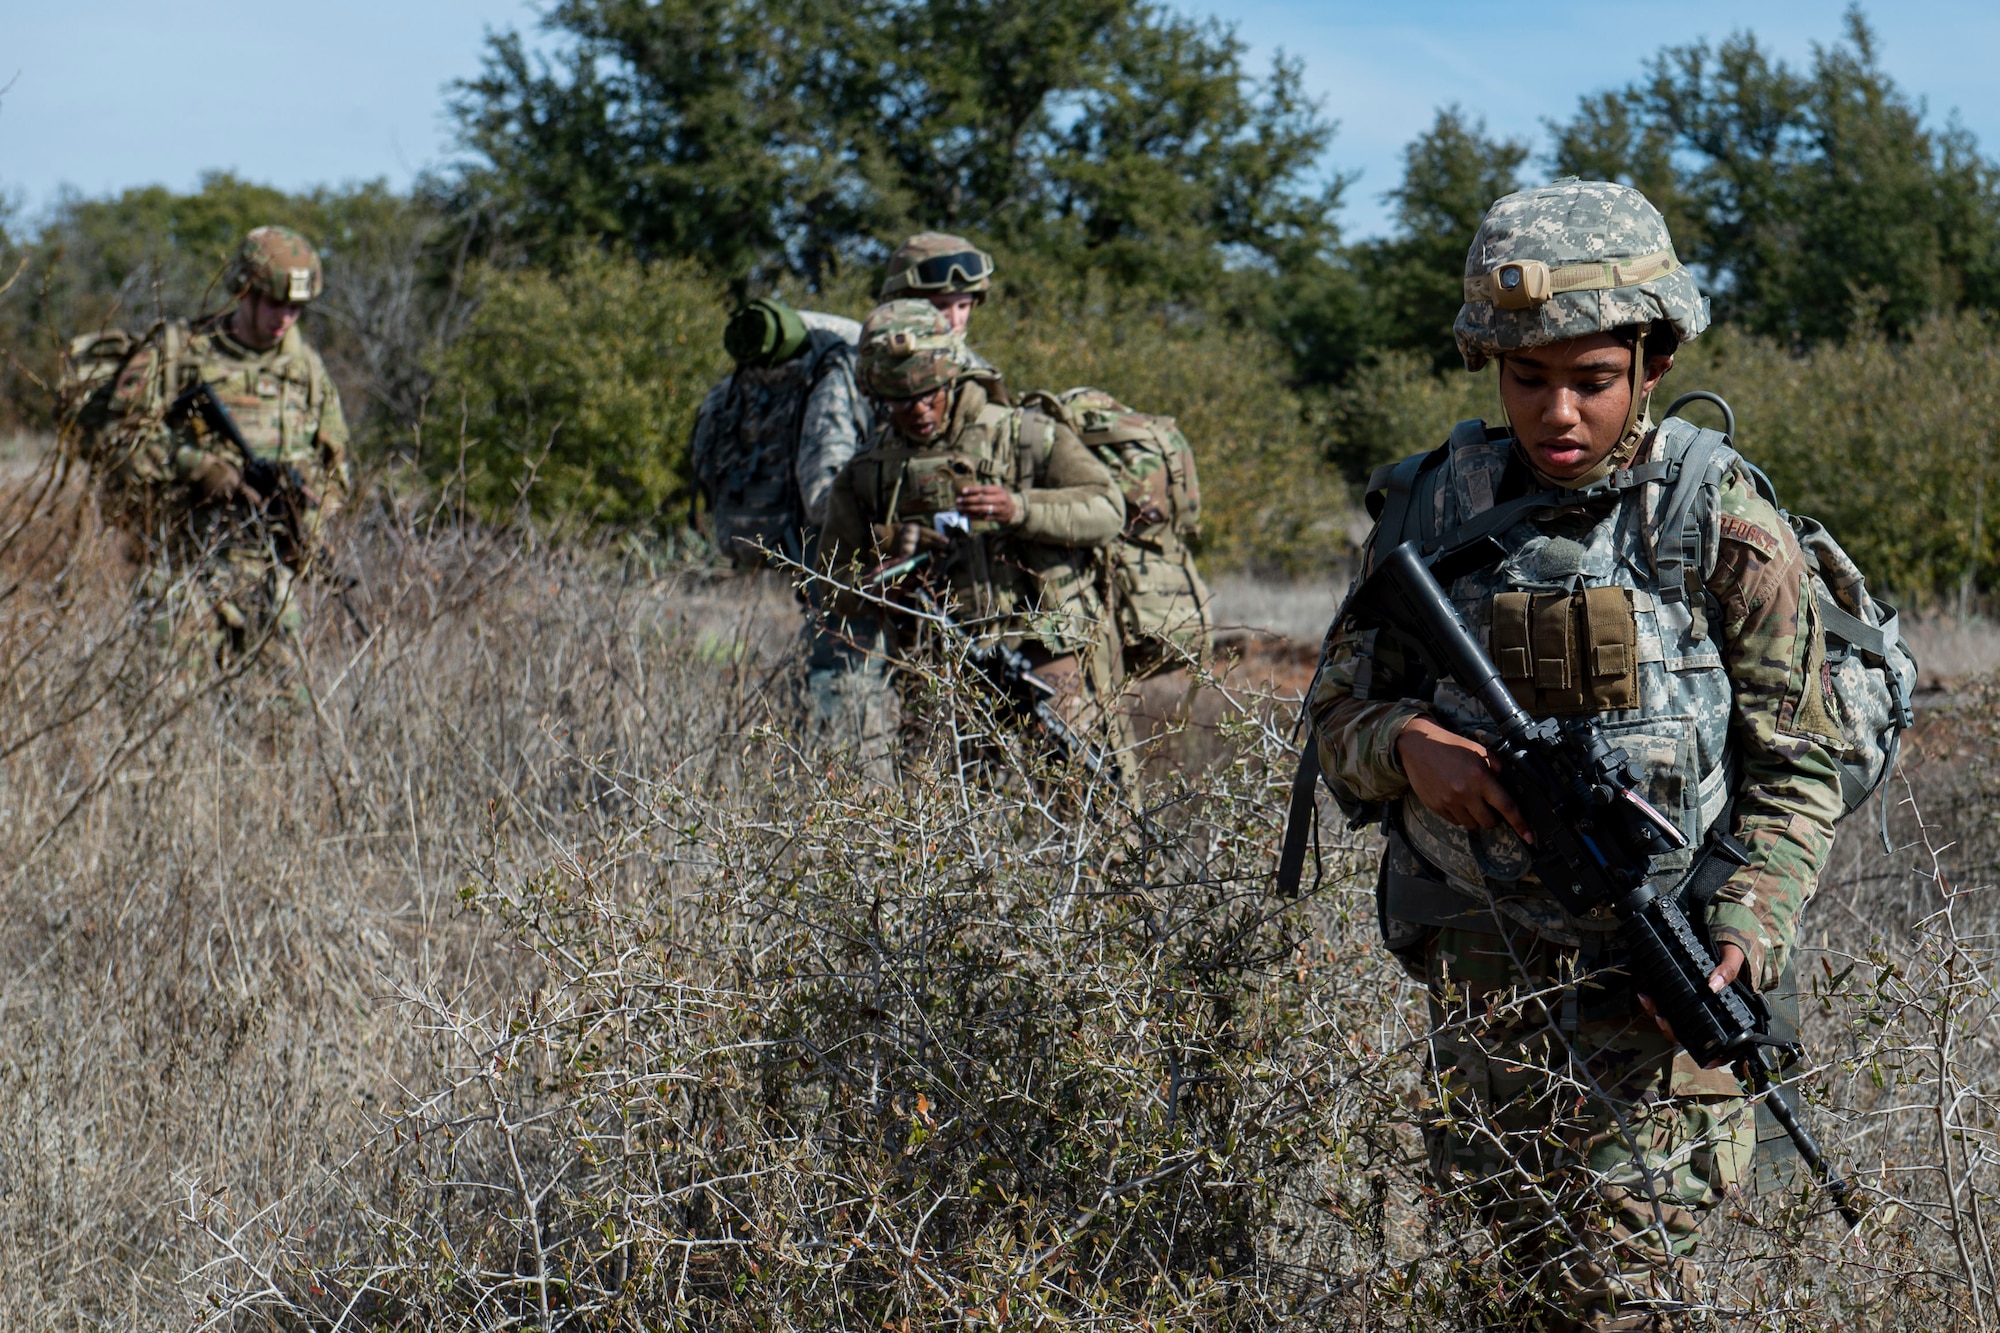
1300 817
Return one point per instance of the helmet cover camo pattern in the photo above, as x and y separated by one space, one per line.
1571 225
278 262
908 349
904 280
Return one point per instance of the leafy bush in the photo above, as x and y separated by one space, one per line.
1395 405
584 381
1889 443
604 365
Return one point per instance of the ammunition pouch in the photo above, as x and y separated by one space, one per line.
1568 652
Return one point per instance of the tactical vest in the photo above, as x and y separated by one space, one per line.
746 448
275 397
1162 606
1600 605
118 384
1004 585
1579 618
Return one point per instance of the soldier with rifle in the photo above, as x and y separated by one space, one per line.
1005 505
1602 826
221 449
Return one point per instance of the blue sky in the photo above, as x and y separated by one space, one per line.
107 94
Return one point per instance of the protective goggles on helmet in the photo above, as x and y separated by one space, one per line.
967 266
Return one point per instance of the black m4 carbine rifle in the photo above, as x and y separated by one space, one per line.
197 410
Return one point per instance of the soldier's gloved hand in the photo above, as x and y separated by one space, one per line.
1455 778
993 504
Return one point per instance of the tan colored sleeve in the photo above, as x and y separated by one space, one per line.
1075 501
1357 735
1783 727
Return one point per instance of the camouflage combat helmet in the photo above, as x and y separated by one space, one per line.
767 332
278 262
908 349
932 261
1569 259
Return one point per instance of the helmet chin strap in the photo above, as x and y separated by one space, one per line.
1638 422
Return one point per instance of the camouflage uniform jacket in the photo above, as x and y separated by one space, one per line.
839 418
1733 707
282 400
1037 575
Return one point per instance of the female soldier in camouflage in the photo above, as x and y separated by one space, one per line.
1571 1120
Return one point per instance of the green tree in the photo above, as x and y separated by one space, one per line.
1452 173
761 137
150 253
576 391
1816 198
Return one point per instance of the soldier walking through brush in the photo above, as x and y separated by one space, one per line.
1010 504
1640 578
221 448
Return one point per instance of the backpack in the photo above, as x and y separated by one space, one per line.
1870 665
1160 602
746 444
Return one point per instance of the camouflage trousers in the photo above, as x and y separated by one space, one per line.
236 602
850 702
1564 1119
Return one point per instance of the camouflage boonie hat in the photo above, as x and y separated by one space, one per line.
278 262
1570 259
908 349
932 261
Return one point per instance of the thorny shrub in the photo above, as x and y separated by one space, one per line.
718 1034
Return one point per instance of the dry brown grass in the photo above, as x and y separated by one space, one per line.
212 885
533 966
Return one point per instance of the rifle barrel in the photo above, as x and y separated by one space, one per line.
1425 608
1838 1187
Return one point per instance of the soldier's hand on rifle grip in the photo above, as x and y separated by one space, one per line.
219 480
1455 779
1724 974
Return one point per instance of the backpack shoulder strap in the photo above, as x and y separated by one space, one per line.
1391 493
1045 402
1697 460
1034 441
